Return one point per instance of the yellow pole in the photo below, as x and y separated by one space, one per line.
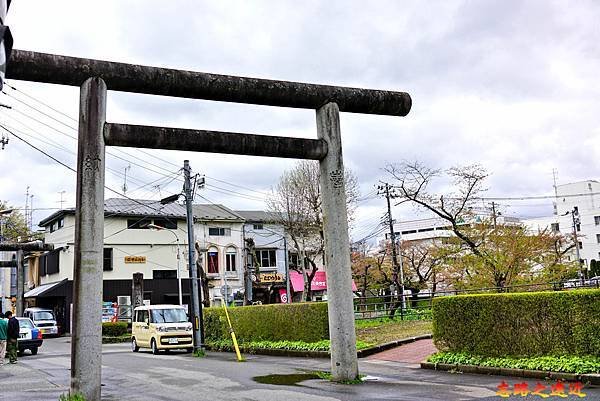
235 344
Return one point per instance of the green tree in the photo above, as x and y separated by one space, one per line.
14 226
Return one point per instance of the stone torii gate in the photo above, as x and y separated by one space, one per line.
94 78
19 248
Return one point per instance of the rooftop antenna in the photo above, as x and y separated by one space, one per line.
158 189
61 199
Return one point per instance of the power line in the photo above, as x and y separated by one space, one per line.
263 194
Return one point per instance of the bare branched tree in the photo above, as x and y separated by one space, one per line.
296 204
414 180
484 253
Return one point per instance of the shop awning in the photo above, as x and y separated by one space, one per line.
318 283
43 289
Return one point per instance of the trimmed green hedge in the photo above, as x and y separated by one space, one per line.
114 329
521 324
567 364
292 322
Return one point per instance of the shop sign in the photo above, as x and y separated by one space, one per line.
135 259
271 278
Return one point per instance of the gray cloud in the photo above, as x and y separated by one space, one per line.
511 85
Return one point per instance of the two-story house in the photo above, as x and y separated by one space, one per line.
218 232
130 246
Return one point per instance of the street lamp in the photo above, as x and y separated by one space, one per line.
156 227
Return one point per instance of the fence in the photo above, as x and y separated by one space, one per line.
418 306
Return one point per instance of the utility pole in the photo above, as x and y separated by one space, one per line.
387 191
197 324
576 222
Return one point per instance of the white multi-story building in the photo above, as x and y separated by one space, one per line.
579 201
435 228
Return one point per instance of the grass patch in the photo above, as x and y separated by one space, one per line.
327 376
199 353
386 330
564 363
368 333
323 345
71 397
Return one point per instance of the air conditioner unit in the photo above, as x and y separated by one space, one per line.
124 300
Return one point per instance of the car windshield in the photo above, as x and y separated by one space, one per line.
168 316
43 315
25 324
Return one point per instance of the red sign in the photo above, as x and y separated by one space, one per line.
318 283
283 296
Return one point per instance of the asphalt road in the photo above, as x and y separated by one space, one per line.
179 376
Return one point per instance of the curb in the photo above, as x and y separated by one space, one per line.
384 347
325 354
526 373
277 352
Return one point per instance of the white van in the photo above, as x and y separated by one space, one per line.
161 327
43 319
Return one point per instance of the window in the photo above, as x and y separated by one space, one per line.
168 316
597 220
598 238
141 316
578 226
257 226
166 223
137 224
164 274
107 260
219 232
555 227
52 259
230 260
293 259
52 227
580 245
212 261
60 223
266 258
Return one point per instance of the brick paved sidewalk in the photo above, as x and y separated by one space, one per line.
414 352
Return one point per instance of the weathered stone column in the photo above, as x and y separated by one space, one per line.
344 363
86 340
137 291
20 283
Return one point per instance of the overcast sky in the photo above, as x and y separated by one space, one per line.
512 85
